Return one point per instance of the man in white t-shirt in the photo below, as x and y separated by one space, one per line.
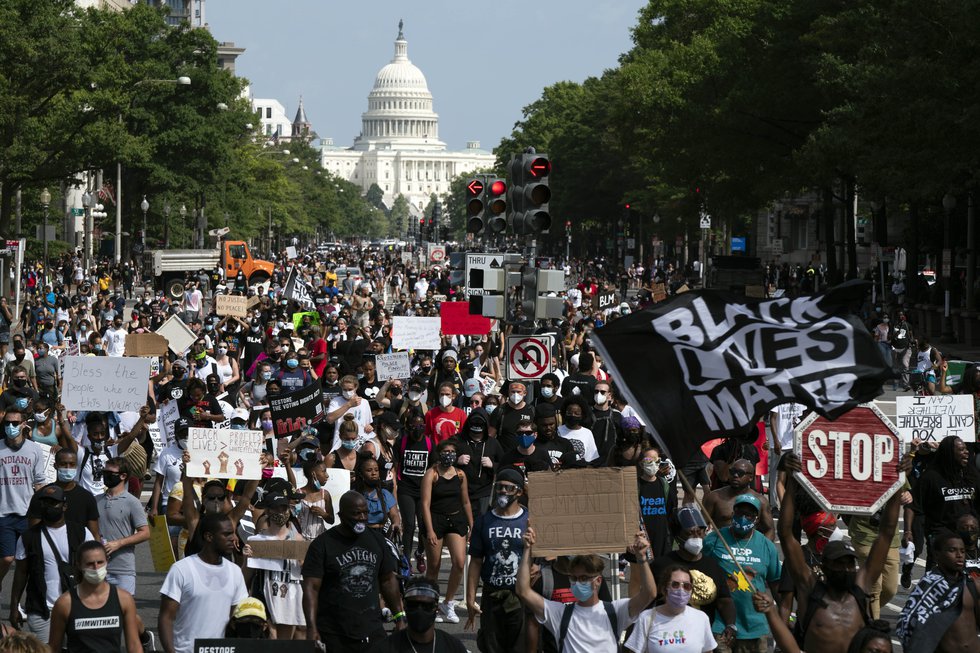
200 591
114 339
588 625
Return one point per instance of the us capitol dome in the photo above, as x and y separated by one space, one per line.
398 147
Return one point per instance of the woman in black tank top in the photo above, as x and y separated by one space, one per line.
94 616
447 516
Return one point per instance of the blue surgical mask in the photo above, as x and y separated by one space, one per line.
742 525
317 485
292 363
67 475
350 445
582 591
490 408
528 440
12 430
266 376
22 402
547 392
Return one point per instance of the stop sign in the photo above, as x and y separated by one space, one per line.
850 464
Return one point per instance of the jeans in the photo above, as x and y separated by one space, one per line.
884 589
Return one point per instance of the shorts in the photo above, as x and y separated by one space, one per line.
337 643
123 581
445 524
11 528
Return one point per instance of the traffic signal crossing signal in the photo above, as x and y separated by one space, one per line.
486 202
497 204
530 193
475 206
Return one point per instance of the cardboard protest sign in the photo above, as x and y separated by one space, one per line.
255 645
659 292
278 550
253 301
225 453
178 334
935 417
392 366
146 344
105 383
415 332
584 510
161 549
293 411
457 321
233 305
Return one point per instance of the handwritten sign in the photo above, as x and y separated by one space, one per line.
292 412
392 366
105 383
233 305
167 416
935 417
277 550
146 344
604 300
161 549
178 334
584 510
291 252
225 453
415 332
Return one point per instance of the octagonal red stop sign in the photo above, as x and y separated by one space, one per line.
850 464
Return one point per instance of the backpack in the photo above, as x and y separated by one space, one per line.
566 619
815 601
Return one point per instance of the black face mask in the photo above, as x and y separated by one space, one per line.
111 479
572 422
51 514
247 630
420 620
178 372
840 581
969 539
20 383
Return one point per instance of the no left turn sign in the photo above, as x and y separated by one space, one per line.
528 357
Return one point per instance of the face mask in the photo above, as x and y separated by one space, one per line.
296 510
347 394
490 408
420 620
178 372
840 580
255 329
742 525
22 402
414 396
582 591
516 398
426 370
111 479
247 630
572 421
267 425
40 418
504 500
266 376
182 443
278 518
267 472
969 538
360 377
96 446
67 475
222 351
445 401
292 363
527 439
650 469
678 598
11 431
42 352
547 392
209 327
350 445
316 485
98 348
693 545
448 458
95 576
51 514
358 527
600 398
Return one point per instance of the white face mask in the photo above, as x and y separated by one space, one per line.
347 393
414 396
600 398
693 545
516 398
95 576
445 401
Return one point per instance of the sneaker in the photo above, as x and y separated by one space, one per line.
148 641
420 562
447 611
906 576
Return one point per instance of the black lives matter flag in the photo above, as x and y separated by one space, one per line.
295 288
709 364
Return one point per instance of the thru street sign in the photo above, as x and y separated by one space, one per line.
477 265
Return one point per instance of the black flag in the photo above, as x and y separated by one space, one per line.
295 288
709 364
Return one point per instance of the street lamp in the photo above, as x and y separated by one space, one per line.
45 202
949 203
87 199
166 224
183 215
145 206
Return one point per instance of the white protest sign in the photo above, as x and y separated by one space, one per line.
178 335
105 383
415 332
167 416
935 417
291 252
392 366
225 453
50 475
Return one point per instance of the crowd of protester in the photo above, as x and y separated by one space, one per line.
437 463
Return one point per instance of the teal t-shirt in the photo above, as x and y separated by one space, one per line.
760 559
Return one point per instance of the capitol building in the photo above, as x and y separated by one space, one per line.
399 147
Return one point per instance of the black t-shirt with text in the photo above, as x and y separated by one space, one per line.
505 419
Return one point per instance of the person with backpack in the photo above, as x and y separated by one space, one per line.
588 625
831 611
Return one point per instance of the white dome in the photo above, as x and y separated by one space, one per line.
400 75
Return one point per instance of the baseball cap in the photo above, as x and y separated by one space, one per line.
250 607
471 387
52 492
838 549
749 499
511 475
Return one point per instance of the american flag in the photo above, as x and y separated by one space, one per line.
107 194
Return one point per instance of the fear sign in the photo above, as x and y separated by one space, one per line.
850 465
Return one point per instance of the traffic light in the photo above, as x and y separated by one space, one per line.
497 204
529 286
530 193
421 228
475 206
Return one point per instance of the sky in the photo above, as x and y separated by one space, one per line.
481 71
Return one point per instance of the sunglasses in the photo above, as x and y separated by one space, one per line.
215 497
9 423
676 585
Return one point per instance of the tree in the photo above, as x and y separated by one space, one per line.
375 197
400 215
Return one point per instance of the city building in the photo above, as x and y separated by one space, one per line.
398 147
272 118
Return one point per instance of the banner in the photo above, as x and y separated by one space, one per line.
105 383
584 510
415 332
225 453
935 417
233 305
457 321
255 645
392 366
709 364
296 289
293 411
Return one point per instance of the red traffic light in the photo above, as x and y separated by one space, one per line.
498 188
474 187
627 207
539 167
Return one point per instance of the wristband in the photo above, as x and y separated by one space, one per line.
398 615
